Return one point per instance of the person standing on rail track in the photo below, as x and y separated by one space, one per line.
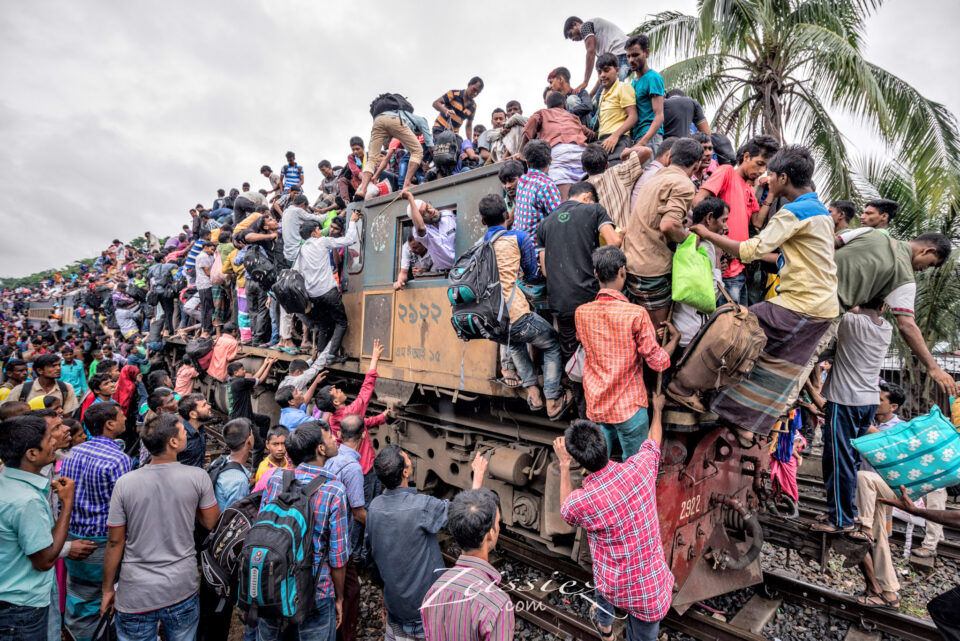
617 506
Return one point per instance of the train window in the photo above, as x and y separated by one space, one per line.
413 257
355 251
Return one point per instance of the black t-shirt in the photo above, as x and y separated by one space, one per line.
569 235
679 113
238 397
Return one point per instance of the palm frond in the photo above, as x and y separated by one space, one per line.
705 78
671 31
817 130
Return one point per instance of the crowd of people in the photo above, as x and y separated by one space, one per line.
109 487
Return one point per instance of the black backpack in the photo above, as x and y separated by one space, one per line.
389 102
446 149
198 348
220 555
479 309
258 267
291 292
276 561
220 465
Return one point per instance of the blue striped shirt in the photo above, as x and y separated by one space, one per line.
291 176
95 467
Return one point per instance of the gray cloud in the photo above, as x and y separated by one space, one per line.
117 117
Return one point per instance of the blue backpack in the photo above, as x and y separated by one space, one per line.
276 563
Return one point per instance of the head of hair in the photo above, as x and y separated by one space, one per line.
493 211
639 40
234 367
210 244
323 399
97 380
607 61
19 434
666 146
884 206
555 99
594 159
308 228
157 432
714 206
568 25
106 366
472 514
845 207
686 152
513 103
289 155
284 395
188 404
265 168
389 466
701 137
476 80
236 432
584 187
894 392
479 129
498 110
298 365
13 408
510 170
763 146
795 162
939 242
220 193
96 417
674 93
303 442
607 262
356 141
323 163
586 444
563 72
277 430
351 428
157 398
45 360
300 199
537 154
13 363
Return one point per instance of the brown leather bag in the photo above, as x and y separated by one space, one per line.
724 350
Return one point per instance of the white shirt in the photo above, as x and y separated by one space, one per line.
314 261
440 239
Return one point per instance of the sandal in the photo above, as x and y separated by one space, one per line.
534 408
604 636
830 528
923 554
877 601
510 380
567 402
862 536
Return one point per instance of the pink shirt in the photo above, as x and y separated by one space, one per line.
184 382
224 351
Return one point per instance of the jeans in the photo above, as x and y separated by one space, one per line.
402 166
329 319
258 313
23 623
179 622
631 433
531 329
222 215
637 630
567 335
206 309
945 612
737 288
319 626
404 631
274 310
840 460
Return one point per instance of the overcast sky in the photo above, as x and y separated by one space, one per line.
116 118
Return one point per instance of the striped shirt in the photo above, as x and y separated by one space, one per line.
330 513
94 466
617 337
614 187
466 604
453 99
292 175
537 197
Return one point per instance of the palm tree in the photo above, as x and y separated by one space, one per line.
781 67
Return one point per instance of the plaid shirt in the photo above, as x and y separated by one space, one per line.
330 515
617 337
617 506
537 197
95 467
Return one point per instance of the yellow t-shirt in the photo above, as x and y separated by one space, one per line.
613 107
266 466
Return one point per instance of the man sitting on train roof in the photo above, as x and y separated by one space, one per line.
435 230
516 252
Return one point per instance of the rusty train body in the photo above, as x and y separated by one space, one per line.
709 488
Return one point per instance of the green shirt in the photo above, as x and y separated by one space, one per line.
648 85
871 265
26 526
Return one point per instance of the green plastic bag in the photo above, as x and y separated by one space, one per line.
693 276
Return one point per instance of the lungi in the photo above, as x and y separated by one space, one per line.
84 584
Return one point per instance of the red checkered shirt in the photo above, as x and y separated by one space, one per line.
617 506
617 337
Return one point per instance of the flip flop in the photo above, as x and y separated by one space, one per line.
534 408
567 402
293 351
504 381
862 536
830 528
877 601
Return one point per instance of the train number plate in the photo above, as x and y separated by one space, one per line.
690 507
